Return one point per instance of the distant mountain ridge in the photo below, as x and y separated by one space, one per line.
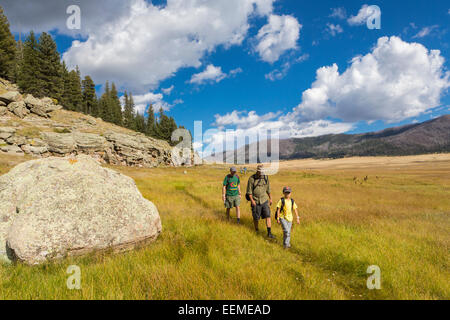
427 137
432 136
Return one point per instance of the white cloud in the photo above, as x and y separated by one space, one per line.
279 35
396 81
244 127
425 31
144 100
169 90
211 73
242 121
278 74
364 13
235 71
339 13
47 15
147 44
334 29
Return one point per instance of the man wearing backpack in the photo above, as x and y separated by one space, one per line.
258 193
231 193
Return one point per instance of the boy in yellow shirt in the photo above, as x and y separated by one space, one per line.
284 215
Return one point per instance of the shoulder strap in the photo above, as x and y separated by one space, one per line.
228 180
283 203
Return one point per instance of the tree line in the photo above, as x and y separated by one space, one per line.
35 66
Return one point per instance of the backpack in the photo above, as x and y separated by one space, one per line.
266 179
283 203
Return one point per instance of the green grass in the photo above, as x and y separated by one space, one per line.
399 222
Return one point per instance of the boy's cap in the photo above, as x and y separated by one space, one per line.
233 169
287 190
260 168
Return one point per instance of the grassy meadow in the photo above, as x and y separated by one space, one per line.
398 219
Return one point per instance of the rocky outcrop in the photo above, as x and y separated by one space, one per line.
58 207
22 106
43 130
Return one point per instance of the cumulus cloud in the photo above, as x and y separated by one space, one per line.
48 15
334 29
364 13
143 101
279 35
236 129
212 74
147 44
396 81
242 120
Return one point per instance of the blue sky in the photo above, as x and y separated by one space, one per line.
239 90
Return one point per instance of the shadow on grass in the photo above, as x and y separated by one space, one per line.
221 214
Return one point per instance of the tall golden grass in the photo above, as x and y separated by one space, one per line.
398 219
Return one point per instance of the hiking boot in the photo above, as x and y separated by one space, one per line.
271 236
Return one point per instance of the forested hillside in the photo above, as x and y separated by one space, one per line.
36 66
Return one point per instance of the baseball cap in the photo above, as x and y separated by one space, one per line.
287 190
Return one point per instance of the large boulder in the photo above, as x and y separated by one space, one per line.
57 207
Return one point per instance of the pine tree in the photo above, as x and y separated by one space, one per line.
65 99
116 107
50 74
151 124
128 112
7 48
74 94
18 61
164 126
140 123
105 104
28 80
89 96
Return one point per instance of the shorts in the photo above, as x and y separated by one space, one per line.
232 201
261 211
